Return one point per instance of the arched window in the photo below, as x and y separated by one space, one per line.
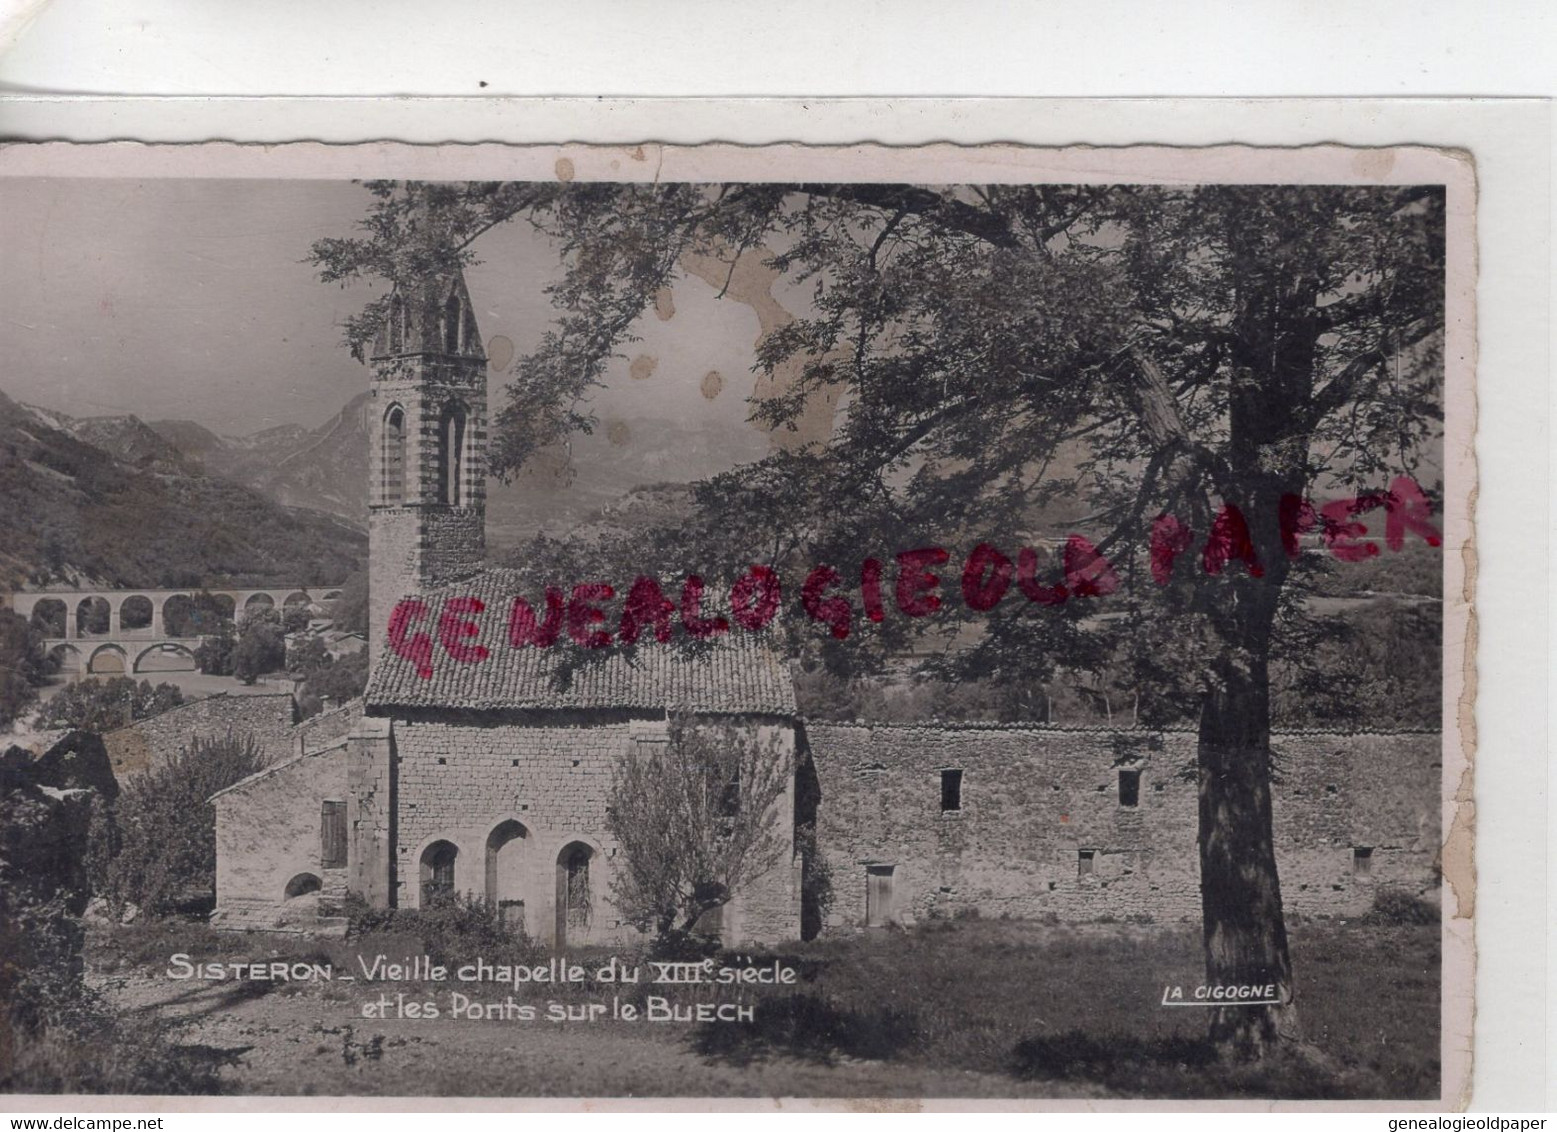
393 470
451 323
438 871
396 324
451 453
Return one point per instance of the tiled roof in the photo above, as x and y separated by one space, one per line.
733 674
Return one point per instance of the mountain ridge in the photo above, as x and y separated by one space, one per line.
137 513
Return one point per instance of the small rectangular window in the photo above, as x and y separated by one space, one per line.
951 791
1085 859
332 835
1362 860
1129 788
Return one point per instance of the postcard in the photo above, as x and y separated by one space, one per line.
714 624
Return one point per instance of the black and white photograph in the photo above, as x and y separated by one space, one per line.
591 622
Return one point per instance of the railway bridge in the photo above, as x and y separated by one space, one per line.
103 632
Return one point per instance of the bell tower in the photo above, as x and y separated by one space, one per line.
427 420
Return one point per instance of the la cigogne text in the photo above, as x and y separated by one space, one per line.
912 585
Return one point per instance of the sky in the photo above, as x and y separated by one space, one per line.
192 299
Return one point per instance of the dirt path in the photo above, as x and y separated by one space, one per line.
309 1039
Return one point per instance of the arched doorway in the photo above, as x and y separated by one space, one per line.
506 847
438 871
575 894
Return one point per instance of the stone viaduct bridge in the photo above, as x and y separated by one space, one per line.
113 632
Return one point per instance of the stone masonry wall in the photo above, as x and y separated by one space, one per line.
1041 828
268 832
458 782
267 717
326 728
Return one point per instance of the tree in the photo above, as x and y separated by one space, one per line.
308 656
100 706
337 680
167 823
214 654
697 821
1188 362
295 619
349 612
23 665
261 647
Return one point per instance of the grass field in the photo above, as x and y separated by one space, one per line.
955 1008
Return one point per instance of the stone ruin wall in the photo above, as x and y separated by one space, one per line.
266 717
1033 799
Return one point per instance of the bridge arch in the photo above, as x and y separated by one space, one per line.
66 659
94 616
136 612
258 602
297 599
147 660
51 616
108 660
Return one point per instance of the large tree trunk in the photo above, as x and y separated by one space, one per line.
1244 931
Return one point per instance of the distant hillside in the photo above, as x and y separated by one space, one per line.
70 509
585 483
324 469
127 438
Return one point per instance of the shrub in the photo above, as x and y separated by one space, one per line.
167 825
1397 906
451 929
23 666
97 1051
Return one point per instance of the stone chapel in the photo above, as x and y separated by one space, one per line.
492 779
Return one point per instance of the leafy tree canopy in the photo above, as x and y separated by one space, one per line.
100 705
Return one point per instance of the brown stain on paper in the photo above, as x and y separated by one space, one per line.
664 304
1459 845
749 278
643 366
500 352
884 1104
